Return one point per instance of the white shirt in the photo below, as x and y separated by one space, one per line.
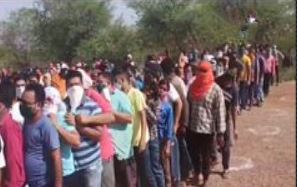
16 113
2 158
173 94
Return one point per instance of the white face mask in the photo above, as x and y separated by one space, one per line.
106 94
50 109
75 94
19 91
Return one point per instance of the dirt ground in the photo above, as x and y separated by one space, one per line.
264 154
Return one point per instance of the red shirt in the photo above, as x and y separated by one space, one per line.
107 149
11 132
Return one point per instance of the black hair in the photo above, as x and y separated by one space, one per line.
33 74
63 72
108 76
39 92
165 82
72 74
125 74
7 94
167 66
19 77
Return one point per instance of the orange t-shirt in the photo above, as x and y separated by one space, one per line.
59 83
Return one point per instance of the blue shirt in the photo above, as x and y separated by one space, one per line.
165 121
41 138
67 155
122 133
88 153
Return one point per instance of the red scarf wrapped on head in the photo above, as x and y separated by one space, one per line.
203 82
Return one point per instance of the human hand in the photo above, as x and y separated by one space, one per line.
220 140
70 119
182 130
81 120
176 126
167 149
142 146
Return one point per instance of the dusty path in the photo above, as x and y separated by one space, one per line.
264 154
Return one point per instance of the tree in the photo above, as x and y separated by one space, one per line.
63 25
17 37
113 42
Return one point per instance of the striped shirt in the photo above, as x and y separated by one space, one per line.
209 115
89 152
153 107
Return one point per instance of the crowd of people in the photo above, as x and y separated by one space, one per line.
121 126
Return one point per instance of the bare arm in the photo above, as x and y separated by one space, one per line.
93 133
143 131
122 118
178 110
72 138
96 120
57 162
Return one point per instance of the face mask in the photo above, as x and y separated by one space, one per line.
50 109
118 86
106 94
19 91
100 87
75 94
26 112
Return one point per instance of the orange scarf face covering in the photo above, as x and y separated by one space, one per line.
203 82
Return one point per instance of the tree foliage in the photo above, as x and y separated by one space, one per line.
63 25
17 38
74 29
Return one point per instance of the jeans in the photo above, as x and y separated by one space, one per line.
259 95
38 184
145 174
154 150
125 172
251 92
266 85
108 175
185 159
277 73
91 176
166 165
226 151
175 162
69 180
243 94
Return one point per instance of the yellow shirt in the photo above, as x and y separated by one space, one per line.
247 63
138 104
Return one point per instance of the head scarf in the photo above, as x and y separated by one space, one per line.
86 79
203 81
54 99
